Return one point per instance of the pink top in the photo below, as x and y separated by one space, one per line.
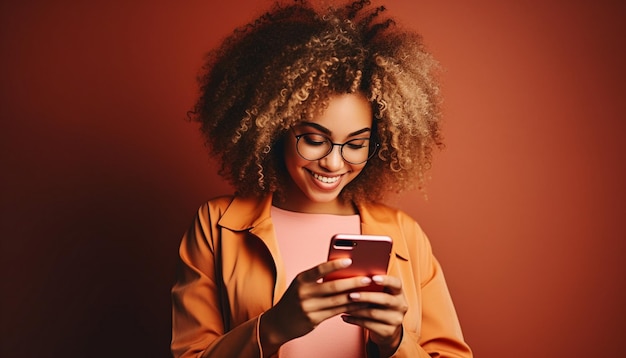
303 240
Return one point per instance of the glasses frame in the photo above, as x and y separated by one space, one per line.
333 145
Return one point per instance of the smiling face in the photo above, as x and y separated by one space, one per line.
316 184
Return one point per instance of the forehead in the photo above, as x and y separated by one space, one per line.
344 114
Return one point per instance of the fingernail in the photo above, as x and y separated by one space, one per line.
377 279
366 280
354 295
346 262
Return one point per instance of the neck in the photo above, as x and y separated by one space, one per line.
335 207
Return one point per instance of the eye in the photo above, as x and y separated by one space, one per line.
315 139
358 143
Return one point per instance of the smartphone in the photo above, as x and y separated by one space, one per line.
369 254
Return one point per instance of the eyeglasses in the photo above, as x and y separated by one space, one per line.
313 146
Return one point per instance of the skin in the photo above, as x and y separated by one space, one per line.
347 117
308 301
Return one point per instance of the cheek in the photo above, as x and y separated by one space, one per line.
292 160
357 169
294 164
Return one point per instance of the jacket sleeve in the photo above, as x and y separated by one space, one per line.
198 321
439 333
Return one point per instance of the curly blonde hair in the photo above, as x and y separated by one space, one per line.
284 67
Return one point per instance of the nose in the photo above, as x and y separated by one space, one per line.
333 161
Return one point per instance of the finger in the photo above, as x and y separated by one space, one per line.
391 284
379 332
336 304
342 286
381 300
315 273
377 315
319 316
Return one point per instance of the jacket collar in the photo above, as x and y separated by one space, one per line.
246 213
253 214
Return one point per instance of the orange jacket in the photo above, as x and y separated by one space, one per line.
230 272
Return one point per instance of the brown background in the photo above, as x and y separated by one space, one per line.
101 173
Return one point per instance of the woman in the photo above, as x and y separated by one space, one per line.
314 117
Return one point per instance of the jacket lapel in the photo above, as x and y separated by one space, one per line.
252 215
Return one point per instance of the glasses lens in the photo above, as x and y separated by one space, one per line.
313 146
356 151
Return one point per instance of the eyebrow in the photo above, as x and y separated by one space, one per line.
328 132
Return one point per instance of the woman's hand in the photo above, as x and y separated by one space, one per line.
308 302
383 314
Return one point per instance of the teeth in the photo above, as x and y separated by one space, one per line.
325 179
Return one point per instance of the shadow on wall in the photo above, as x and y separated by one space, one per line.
92 261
